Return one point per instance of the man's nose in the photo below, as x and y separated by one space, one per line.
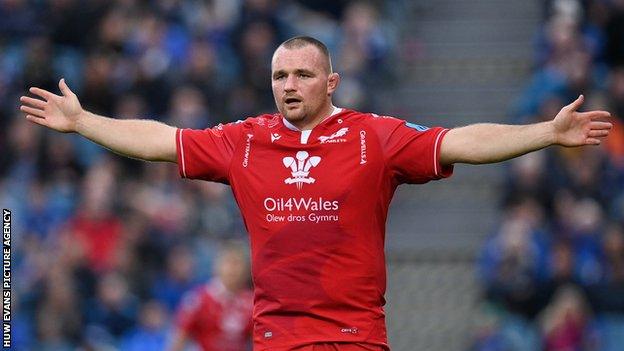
291 83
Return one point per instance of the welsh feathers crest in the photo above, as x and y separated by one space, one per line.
300 166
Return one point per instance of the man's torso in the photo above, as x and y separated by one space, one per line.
315 207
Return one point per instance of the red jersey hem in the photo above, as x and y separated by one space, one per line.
290 346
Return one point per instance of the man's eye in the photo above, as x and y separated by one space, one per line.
304 75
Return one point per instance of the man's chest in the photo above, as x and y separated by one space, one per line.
322 163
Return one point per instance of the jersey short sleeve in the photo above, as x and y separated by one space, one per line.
411 152
207 154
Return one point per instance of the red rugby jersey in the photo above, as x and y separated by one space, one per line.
216 319
315 205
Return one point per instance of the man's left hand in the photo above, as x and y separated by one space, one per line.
573 128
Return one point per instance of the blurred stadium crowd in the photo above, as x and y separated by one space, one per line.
105 247
553 272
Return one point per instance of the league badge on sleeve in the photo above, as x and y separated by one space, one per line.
416 126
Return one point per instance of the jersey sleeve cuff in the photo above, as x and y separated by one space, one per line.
180 152
439 170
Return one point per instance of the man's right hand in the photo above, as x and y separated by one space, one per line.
137 138
60 113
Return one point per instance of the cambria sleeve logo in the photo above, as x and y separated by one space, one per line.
300 166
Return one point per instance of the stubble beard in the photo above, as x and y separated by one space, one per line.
297 115
302 115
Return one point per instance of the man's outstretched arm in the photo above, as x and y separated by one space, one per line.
489 143
142 139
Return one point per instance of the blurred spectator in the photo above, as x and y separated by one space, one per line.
151 332
585 235
565 323
362 55
97 90
130 106
216 211
567 55
528 177
512 260
19 20
159 197
95 226
74 22
615 34
217 316
561 267
114 308
488 337
179 278
202 73
608 295
188 109
22 332
24 144
584 173
500 331
36 68
255 48
615 145
613 246
58 321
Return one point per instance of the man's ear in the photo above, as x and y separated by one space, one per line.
332 83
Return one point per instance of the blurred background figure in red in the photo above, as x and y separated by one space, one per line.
217 315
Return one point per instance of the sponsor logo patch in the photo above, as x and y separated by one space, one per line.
336 137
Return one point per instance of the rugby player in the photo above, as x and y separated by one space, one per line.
314 182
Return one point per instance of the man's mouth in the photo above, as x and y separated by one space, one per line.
292 101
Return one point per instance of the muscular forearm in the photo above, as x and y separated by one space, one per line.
489 143
143 139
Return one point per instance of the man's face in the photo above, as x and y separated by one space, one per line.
232 269
301 83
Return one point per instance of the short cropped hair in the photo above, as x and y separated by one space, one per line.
302 41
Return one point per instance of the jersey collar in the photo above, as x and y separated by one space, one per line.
335 111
